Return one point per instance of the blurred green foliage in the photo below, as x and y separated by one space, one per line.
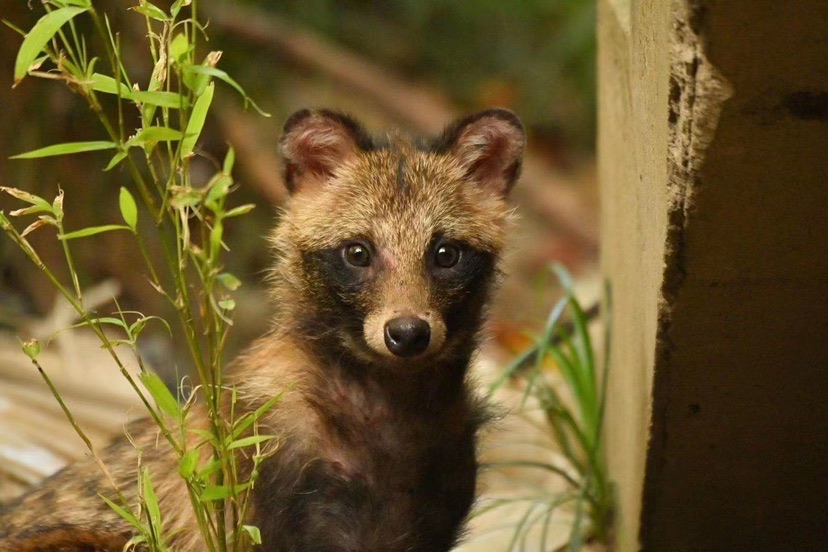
535 56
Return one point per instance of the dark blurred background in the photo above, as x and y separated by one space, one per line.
415 64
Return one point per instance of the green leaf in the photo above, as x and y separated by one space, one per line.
221 492
129 211
160 99
229 161
227 304
128 516
66 149
39 36
117 158
222 75
151 502
254 533
79 3
150 10
27 197
139 324
196 122
177 5
92 230
108 85
104 320
163 398
240 210
31 210
250 441
179 47
155 134
216 235
185 196
211 467
245 422
229 281
216 192
188 463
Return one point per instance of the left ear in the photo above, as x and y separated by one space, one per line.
489 146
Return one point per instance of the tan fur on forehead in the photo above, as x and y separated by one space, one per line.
367 197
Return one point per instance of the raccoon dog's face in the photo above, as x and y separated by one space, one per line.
388 248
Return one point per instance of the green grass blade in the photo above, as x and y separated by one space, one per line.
513 367
66 149
155 134
162 396
222 75
196 122
39 36
92 230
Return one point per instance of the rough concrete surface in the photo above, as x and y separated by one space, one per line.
728 186
739 443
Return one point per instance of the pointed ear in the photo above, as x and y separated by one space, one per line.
489 146
315 143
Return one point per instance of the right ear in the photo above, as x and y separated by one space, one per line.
315 143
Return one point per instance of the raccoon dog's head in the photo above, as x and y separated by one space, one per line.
387 248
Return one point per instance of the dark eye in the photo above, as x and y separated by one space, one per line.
446 255
357 254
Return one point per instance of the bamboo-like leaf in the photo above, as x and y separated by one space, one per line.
31 210
160 98
177 5
211 467
92 230
78 3
229 281
39 36
188 463
155 134
254 533
27 197
179 47
222 75
196 122
151 502
217 190
108 85
221 492
129 211
229 161
250 441
151 10
117 158
128 516
244 423
66 149
163 398
240 210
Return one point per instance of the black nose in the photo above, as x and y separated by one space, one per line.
407 336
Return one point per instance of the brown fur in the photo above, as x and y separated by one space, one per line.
376 452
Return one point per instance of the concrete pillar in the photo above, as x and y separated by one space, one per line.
713 159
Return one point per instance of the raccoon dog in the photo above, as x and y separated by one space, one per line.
386 254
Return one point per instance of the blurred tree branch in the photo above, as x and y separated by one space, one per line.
546 190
